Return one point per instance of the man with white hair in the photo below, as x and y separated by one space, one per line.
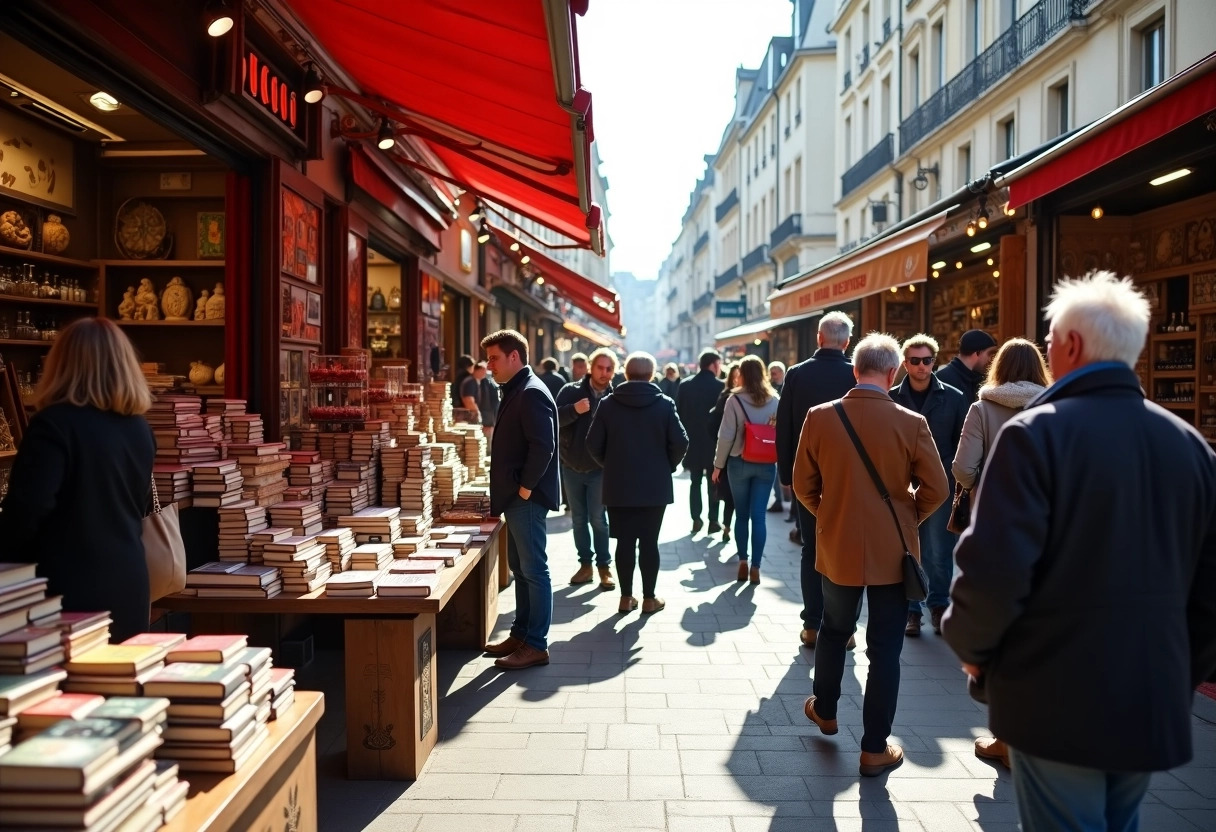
1085 607
861 547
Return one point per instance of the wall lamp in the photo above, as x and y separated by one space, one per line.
217 15
921 181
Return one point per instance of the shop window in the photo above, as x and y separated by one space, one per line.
974 20
914 78
848 141
1058 108
1152 53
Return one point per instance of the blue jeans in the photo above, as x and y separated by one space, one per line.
585 495
750 483
937 558
1057 797
526 540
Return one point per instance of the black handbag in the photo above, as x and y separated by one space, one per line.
960 510
916 583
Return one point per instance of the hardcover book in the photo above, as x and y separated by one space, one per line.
117 660
209 649
195 680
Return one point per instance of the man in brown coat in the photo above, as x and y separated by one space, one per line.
858 545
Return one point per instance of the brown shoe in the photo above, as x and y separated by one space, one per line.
808 638
795 537
525 656
755 575
582 576
726 535
505 647
628 604
990 748
606 582
742 573
913 628
873 765
827 726
652 605
935 617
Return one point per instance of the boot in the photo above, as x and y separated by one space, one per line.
606 581
582 576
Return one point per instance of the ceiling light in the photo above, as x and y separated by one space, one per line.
958 264
515 245
756 343
978 247
104 102
14 94
1170 177
1009 212
314 86
477 213
525 260
483 232
218 17
940 264
936 273
911 288
894 290
1096 212
384 138
540 281
982 222
996 273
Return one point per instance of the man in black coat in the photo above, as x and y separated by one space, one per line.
1086 602
967 370
550 377
824 377
944 408
582 476
695 398
524 488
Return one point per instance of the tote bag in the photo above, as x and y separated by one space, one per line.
759 440
164 550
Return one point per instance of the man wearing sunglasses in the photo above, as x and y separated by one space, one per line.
944 408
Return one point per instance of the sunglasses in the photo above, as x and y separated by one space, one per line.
926 360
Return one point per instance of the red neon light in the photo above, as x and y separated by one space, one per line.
269 88
253 75
265 96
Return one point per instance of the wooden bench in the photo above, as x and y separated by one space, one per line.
392 692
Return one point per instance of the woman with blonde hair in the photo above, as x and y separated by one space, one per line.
754 401
81 482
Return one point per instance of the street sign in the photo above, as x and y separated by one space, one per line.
731 309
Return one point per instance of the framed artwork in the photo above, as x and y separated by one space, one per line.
312 317
284 367
432 295
284 405
466 250
295 375
300 236
356 267
36 164
211 236
295 407
299 300
285 311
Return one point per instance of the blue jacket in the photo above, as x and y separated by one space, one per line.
524 448
637 437
945 410
573 437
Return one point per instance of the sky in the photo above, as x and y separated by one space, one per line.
662 80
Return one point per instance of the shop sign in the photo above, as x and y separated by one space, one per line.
730 309
272 91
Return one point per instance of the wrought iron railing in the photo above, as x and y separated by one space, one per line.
848 80
703 300
863 59
886 30
790 226
684 318
701 242
728 276
756 257
876 158
723 208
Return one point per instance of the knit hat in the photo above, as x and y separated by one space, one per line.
975 340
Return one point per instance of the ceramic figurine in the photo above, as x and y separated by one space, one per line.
215 304
126 309
175 300
219 374
55 236
200 373
200 306
145 302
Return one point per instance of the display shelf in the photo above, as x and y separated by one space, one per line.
165 264
47 259
1175 336
13 342
206 389
219 322
1177 405
70 304
7 454
1187 374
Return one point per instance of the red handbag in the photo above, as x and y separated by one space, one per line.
759 440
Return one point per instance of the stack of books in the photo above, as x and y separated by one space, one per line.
302 561
262 465
343 497
282 690
406 585
392 472
353 584
302 517
414 566
258 667
114 669
449 476
239 521
61 706
30 650
225 579
23 599
258 542
309 474
365 444
8 724
445 556
339 543
168 792
181 434
217 484
172 482
472 500
373 557
470 443
439 404
158 380
335 446
19 693
458 542
417 489
404 546
378 524
414 523
226 407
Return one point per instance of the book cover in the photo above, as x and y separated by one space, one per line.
72 622
144 710
62 706
213 648
27 690
166 640
16 573
195 679
28 641
116 660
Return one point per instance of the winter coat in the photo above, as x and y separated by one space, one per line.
944 410
695 397
824 377
523 451
572 437
553 381
996 406
962 378
638 439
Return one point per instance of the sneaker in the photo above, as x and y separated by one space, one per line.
990 748
873 764
827 726
584 575
913 628
714 527
935 616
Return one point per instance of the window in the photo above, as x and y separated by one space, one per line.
1009 13
788 193
772 204
763 219
1057 102
973 22
798 95
884 103
1152 54
964 164
848 51
865 124
847 240
798 185
848 141
1007 138
764 144
937 43
914 79
787 115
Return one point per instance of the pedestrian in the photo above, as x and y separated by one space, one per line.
582 475
578 366
776 377
524 488
487 399
637 437
944 408
695 397
966 371
670 381
715 424
550 377
460 383
754 402
824 377
1085 607
860 548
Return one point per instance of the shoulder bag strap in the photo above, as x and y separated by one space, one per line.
865 458
743 409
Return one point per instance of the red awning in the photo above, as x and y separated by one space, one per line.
397 195
602 304
491 87
1149 116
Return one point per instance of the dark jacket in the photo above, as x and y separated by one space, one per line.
454 387
961 378
695 397
524 447
668 386
715 416
1087 572
638 439
572 438
824 377
78 493
553 381
945 410
487 401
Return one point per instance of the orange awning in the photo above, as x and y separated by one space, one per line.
897 259
587 334
599 302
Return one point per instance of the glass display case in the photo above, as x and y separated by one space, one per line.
338 391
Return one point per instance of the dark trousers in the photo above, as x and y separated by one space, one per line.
1057 797
884 642
728 498
637 542
694 495
812 586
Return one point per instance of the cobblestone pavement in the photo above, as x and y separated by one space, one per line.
691 720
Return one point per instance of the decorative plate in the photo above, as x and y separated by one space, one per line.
140 231
17 228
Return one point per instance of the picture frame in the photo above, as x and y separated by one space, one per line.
212 236
312 314
295 375
299 302
285 311
284 367
300 240
295 405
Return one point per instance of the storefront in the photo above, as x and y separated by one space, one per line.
773 339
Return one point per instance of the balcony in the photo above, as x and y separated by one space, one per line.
684 318
724 207
848 80
701 243
877 158
863 59
1014 47
703 300
886 30
789 227
727 277
672 294
755 258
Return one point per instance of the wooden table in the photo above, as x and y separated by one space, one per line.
390 643
277 784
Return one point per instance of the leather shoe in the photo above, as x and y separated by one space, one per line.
696 526
726 535
714 527
776 508
628 604
505 647
754 576
827 726
874 764
808 637
913 628
606 581
582 576
991 748
935 616
652 605
525 656
795 537
741 575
